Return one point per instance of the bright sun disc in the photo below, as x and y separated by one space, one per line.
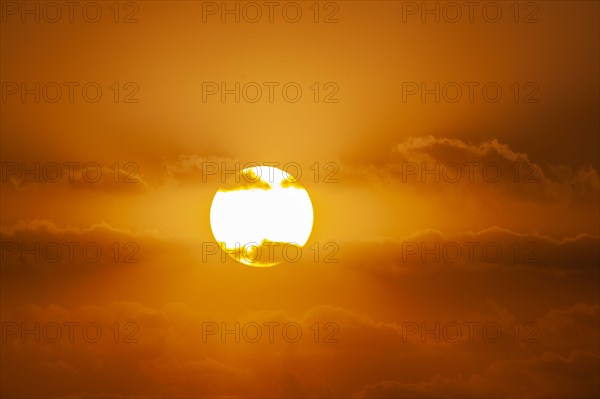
263 214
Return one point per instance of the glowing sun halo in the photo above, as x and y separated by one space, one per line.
259 216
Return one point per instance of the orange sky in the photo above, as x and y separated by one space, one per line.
387 230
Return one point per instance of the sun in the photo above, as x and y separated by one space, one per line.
262 216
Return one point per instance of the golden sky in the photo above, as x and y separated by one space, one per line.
450 151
